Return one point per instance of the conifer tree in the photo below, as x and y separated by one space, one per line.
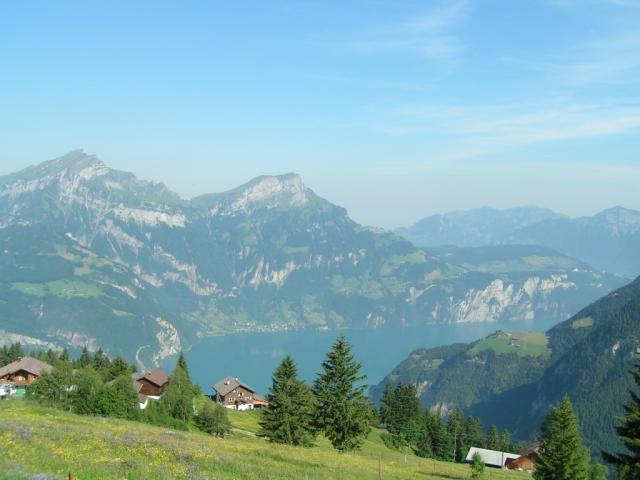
85 358
342 410
179 395
471 436
505 441
434 440
182 363
290 414
627 463
562 455
118 367
492 441
400 412
455 427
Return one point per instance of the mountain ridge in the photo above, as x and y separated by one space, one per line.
267 256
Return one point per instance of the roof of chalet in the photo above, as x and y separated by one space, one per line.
157 377
492 458
28 364
228 384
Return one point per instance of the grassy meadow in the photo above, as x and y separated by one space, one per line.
39 443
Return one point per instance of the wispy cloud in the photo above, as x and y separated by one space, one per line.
614 59
432 34
455 133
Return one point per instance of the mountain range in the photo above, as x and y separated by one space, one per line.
93 256
608 240
511 378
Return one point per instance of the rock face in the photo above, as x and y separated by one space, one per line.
91 253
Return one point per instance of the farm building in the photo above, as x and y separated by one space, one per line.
149 386
491 458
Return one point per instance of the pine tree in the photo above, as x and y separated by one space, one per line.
492 440
562 454
455 426
471 436
118 367
628 462
179 395
101 362
434 440
182 363
290 414
400 412
85 358
505 441
342 410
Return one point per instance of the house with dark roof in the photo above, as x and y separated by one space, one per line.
233 393
23 373
527 459
152 383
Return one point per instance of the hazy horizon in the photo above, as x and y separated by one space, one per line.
395 112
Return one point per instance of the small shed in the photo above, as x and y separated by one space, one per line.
491 458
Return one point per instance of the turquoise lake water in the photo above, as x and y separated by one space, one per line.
254 356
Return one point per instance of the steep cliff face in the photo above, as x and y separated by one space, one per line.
266 256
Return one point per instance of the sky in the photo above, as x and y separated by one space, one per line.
393 110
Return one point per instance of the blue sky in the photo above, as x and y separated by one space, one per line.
394 110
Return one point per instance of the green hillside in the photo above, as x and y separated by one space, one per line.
39 441
511 379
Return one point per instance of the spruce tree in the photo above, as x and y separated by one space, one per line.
434 440
290 414
471 436
627 463
342 410
562 455
505 441
492 442
179 395
455 428
85 359
182 363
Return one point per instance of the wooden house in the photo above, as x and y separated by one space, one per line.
23 373
233 393
527 459
152 383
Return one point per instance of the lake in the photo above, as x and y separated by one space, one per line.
254 356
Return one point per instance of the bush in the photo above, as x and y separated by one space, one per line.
213 419
477 466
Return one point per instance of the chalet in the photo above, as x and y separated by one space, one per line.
23 373
233 393
491 458
152 383
527 459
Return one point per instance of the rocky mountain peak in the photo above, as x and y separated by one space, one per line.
265 191
619 220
